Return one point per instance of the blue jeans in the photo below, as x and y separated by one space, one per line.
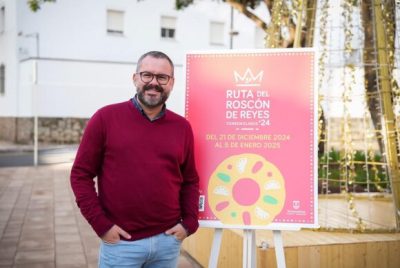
159 251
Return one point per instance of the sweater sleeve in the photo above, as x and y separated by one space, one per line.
86 167
189 199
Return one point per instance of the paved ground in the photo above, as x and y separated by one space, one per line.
22 154
40 225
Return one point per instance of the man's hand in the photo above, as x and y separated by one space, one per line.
113 235
178 231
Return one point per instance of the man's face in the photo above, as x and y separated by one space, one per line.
152 94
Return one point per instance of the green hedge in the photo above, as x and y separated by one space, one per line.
359 169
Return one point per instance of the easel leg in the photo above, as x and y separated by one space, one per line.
216 245
249 249
279 252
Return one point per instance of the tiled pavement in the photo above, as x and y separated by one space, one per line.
40 225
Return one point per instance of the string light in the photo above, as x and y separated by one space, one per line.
274 32
374 168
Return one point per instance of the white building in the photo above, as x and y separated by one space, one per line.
74 56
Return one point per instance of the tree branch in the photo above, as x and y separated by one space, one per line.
269 4
245 11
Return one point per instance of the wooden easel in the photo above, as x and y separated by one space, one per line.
249 248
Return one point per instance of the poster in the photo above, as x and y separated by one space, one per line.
254 116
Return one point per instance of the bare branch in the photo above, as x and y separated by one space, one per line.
242 8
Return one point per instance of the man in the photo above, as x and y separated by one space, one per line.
142 155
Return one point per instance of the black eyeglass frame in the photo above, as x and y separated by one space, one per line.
157 76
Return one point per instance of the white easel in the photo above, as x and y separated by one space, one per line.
249 248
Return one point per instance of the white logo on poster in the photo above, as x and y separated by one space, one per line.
248 78
296 204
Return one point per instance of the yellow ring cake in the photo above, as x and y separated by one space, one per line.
246 189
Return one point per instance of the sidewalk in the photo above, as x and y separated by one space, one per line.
40 224
10 147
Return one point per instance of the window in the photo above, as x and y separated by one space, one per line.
2 18
2 79
217 33
115 22
168 25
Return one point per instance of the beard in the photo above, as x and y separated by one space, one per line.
152 101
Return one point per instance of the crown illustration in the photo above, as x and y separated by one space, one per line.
248 78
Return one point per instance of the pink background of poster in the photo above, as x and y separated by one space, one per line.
287 85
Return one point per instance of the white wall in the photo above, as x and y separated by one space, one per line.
79 88
82 68
77 28
8 54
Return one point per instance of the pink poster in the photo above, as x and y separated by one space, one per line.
254 120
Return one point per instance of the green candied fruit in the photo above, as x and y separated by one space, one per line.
224 177
270 200
233 214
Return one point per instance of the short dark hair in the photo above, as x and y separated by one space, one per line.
157 55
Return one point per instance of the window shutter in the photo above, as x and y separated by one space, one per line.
115 21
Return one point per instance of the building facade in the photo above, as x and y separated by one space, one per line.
70 58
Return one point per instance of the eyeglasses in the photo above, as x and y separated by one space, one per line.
147 77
